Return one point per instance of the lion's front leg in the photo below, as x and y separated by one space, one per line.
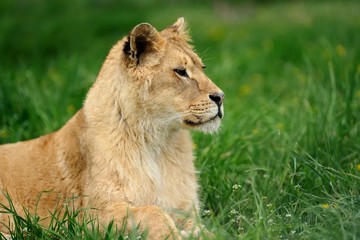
152 218
159 223
191 227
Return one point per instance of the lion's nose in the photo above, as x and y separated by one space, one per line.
218 98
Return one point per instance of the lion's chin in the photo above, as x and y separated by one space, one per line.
210 126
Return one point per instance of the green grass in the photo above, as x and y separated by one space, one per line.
286 163
67 222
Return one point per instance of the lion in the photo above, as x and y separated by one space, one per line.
128 152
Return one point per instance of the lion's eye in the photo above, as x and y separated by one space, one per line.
181 72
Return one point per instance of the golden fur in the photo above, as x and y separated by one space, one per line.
128 150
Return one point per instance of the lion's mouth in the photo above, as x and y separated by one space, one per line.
194 124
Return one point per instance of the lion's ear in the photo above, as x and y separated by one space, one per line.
141 41
180 28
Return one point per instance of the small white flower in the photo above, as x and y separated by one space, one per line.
233 212
240 229
236 187
288 215
206 213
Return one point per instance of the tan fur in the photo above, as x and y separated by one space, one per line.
128 150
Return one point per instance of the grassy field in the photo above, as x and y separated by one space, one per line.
286 163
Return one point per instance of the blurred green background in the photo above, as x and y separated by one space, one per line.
286 163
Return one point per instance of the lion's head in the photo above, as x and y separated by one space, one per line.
169 78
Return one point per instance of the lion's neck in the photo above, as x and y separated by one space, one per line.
115 122
143 146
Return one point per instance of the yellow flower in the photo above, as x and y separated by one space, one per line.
255 131
71 109
341 50
245 90
280 126
358 167
217 33
3 133
358 94
325 205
